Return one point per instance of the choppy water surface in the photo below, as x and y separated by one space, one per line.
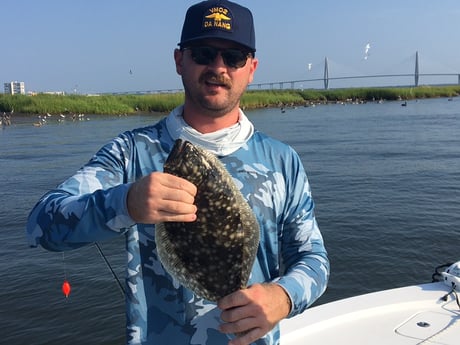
385 179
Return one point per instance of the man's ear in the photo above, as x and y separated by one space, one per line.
178 55
254 64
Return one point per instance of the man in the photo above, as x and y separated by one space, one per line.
123 191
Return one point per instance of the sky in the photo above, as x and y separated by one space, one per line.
105 46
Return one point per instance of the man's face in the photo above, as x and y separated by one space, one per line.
215 88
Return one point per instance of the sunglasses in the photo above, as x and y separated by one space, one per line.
204 55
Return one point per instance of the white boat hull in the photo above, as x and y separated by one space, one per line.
409 315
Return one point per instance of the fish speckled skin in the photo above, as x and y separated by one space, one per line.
212 256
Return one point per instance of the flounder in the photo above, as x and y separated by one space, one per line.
212 256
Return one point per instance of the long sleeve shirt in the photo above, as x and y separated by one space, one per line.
91 206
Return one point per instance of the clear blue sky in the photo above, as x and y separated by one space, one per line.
92 45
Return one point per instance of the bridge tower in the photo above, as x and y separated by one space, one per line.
416 74
326 74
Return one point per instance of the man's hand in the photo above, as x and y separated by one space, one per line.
253 312
161 197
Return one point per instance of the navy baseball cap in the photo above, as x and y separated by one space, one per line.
219 19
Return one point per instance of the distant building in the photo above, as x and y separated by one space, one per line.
15 88
56 93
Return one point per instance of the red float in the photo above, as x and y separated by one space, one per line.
66 288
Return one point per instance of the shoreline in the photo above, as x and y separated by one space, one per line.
44 104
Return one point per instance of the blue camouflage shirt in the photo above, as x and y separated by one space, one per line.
91 206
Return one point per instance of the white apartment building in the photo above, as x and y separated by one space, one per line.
15 88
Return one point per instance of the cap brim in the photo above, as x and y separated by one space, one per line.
204 37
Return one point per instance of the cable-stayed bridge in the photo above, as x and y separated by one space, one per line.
295 84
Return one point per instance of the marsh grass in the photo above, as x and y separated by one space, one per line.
129 104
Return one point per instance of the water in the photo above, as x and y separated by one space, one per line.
384 177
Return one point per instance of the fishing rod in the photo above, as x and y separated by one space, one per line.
120 285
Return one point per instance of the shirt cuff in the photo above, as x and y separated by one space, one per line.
116 201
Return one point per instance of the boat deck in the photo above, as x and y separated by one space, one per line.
410 315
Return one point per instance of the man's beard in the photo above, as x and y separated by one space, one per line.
206 102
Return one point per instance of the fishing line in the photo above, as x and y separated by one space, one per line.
66 288
65 267
120 285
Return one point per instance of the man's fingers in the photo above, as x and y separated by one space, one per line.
171 217
179 183
161 197
169 208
